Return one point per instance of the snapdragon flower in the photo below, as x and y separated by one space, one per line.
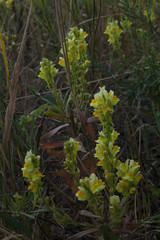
103 103
32 174
130 177
76 47
114 33
89 188
48 72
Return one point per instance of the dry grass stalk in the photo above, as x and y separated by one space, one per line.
13 87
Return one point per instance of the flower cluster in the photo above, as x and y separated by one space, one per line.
71 147
31 172
106 150
89 188
103 104
114 33
125 23
8 2
130 177
76 49
48 72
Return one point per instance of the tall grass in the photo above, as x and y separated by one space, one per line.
133 72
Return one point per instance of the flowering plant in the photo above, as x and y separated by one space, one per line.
32 174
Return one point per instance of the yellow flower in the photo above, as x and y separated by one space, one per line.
61 62
114 32
31 187
27 165
82 194
89 186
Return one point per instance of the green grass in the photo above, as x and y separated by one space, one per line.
133 72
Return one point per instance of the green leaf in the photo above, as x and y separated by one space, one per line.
47 98
37 112
15 224
107 232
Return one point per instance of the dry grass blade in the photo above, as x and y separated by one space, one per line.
62 38
13 87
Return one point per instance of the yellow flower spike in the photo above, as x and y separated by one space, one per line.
32 174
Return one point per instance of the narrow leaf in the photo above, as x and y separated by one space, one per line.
52 132
48 98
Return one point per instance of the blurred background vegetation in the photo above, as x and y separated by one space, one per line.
133 73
